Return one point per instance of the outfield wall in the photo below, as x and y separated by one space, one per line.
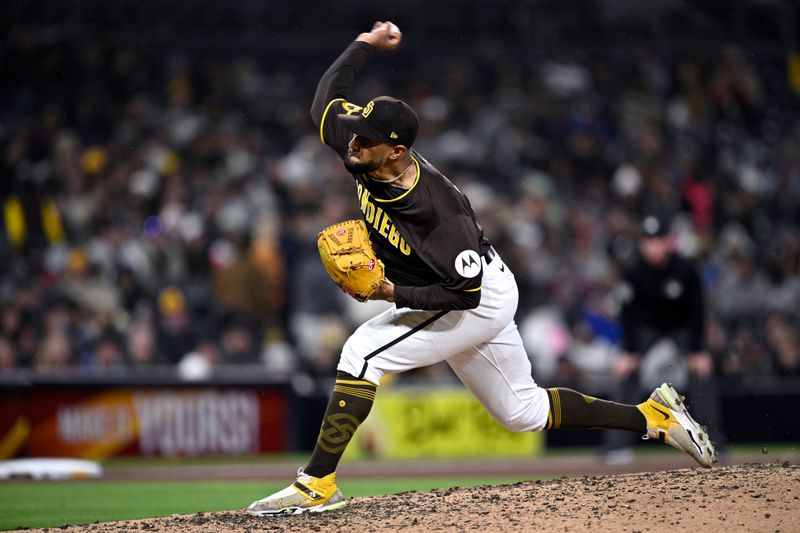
101 420
168 418
105 420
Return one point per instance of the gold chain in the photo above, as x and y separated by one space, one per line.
392 180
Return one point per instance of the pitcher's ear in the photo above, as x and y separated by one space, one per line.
398 150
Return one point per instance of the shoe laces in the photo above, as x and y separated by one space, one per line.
302 476
656 397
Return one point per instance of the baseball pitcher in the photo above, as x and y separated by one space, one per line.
454 296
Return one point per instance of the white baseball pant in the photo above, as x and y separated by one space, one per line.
481 345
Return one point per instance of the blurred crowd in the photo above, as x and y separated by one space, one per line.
161 204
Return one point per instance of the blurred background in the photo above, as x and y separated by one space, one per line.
162 186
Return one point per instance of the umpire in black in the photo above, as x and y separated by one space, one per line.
663 325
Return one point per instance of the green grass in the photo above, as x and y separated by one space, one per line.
212 460
49 504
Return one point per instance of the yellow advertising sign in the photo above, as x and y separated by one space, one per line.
423 423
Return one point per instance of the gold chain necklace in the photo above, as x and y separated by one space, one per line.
392 180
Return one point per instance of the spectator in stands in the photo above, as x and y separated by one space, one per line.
783 344
201 363
141 173
19 331
7 359
107 358
177 335
241 340
141 345
54 356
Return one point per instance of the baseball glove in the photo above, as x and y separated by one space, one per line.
348 257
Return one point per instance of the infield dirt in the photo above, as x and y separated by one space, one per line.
749 497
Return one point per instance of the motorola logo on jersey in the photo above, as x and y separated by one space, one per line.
468 263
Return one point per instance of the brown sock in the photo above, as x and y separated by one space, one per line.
348 407
570 409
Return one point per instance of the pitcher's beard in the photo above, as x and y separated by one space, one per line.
361 168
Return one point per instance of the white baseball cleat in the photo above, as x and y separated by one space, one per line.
669 421
307 494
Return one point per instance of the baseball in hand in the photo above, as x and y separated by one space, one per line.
384 35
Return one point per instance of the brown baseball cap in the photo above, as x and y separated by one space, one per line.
384 119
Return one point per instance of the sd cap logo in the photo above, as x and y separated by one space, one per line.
368 109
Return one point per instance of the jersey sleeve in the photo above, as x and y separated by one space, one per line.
333 90
331 130
452 250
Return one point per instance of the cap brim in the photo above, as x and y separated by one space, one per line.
357 126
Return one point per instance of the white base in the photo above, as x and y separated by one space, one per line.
50 468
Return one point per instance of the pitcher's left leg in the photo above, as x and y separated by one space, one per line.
498 373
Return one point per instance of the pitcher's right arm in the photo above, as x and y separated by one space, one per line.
333 89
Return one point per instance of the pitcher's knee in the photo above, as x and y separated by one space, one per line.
525 421
532 416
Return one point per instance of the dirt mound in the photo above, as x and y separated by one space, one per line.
750 497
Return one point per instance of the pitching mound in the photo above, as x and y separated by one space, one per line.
752 497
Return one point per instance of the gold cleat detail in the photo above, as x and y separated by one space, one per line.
669 421
306 494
